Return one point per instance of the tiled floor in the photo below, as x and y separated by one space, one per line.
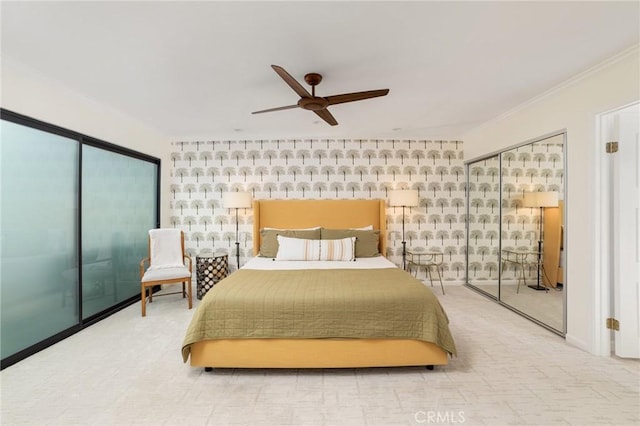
127 370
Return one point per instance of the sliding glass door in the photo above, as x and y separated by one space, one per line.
74 217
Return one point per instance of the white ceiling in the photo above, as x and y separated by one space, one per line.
196 70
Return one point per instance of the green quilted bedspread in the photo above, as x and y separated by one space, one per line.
332 303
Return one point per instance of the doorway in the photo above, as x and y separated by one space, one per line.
620 229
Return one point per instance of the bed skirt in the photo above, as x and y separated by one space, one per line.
315 353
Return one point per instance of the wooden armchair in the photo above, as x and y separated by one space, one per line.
166 265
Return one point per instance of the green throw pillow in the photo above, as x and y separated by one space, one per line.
366 241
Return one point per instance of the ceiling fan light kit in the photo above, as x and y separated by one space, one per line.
318 104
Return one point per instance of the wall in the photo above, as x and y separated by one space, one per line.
574 106
27 92
322 169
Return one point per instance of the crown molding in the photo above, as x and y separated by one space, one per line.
633 50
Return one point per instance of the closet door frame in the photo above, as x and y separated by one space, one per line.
498 299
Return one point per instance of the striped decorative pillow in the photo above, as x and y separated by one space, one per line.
342 250
297 249
269 242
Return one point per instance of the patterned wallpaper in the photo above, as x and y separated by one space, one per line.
534 167
201 171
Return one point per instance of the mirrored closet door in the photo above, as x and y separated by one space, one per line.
516 232
483 244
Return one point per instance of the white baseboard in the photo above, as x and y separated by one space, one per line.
578 343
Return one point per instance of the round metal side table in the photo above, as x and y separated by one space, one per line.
210 270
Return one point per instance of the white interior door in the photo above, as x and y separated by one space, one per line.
626 233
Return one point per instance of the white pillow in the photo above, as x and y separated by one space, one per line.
297 249
341 250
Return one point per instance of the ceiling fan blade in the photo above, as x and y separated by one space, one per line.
356 96
326 116
276 109
297 87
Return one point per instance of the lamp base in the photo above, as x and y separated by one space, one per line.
537 287
404 255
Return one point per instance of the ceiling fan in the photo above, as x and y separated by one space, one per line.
318 104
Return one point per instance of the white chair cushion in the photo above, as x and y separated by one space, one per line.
160 274
166 248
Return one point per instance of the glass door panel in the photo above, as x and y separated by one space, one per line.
483 215
119 206
532 230
39 270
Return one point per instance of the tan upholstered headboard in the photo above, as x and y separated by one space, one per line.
294 214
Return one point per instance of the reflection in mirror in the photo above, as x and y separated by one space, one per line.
484 226
532 230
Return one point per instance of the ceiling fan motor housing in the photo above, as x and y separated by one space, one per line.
313 104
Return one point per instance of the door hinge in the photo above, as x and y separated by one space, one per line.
611 147
613 324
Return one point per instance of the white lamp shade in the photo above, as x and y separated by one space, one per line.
236 200
540 199
403 197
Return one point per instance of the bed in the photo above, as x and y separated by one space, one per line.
265 315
